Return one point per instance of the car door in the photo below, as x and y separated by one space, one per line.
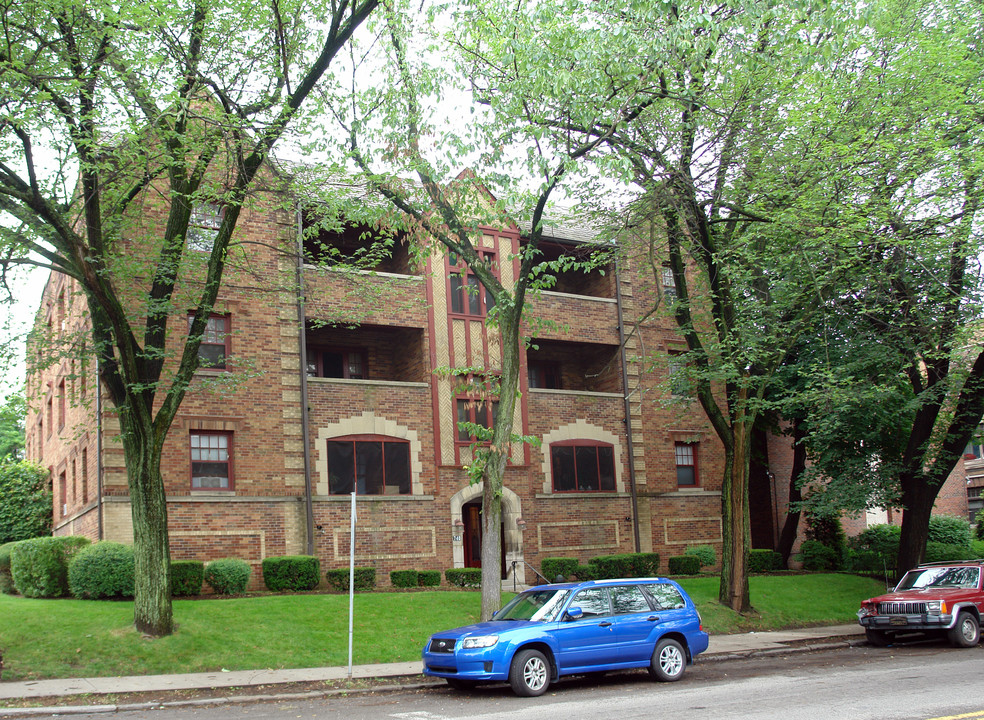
589 641
635 621
672 609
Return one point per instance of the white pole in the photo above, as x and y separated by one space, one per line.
351 582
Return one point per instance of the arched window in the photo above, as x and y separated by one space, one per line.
582 466
369 465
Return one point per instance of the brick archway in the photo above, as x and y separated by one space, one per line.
511 533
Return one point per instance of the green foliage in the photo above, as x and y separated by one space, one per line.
828 531
949 530
464 577
39 566
102 570
363 578
6 579
704 553
977 549
12 416
979 524
624 565
947 552
586 572
404 578
291 572
644 564
684 565
187 577
763 561
876 549
228 576
25 501
552 567
819 557
429 578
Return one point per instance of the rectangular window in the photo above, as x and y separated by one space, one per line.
579 467
467 296
669 283
368 466
50 409
345 363
216 342
203 227
477 412
544 375
61 404
211 461
679 380
63 493
686 464
974 450
85 476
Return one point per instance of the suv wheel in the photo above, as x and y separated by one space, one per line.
878 638
669 660
966 632
529 673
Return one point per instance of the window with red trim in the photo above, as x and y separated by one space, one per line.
465 292
337 363
216 345
474 411
686 464
369 465
211 460
582 466
544 374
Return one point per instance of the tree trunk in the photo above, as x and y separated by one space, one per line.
917 501
790 527
491 548
735 520
152 612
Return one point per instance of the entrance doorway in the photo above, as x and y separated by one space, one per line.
471 516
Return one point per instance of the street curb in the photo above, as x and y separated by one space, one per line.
243 699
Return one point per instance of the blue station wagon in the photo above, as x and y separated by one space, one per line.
573 628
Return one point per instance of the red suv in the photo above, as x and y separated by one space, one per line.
942 598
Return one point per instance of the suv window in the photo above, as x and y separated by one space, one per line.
629 599
956 577
666 597
593 602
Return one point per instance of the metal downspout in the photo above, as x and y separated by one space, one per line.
627 409
99 454
302 365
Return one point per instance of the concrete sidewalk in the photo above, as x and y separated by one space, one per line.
722 647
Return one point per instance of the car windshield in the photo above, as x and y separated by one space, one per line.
940 577
542 605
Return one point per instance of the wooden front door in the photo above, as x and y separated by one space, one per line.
471 516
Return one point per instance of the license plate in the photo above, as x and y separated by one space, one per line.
898 621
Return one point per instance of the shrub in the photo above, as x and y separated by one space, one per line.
817 556
552 567
611 566
6 579
25 510
763 561
949 530
429 578
291 572
404 578
979 527
364 578
586 572
644 564
187 577
827 530
946 552
464 577
876 549
976 549
228 576
39 566
704 553
102 570
684 565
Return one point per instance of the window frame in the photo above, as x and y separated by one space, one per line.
694 454
676 369
582 444
483 301
229 461
226 343
668 283
544 375
346 352
204 221
365 438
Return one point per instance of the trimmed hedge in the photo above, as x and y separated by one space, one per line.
586 572
876 549
291 572
187 577
551 567
6 579
817 556
364 578
624 565
429 578
947 552
704 553
405 578
762 561
102 570
39 566
949 530
684 565
464 577
228 576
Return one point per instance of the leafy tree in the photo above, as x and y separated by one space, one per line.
104 107
12 417
25 501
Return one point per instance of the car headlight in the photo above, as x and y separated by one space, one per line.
866 610
936 607
479 641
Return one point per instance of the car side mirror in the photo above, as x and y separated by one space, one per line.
493 615
575 613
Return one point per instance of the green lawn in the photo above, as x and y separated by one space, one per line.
79 638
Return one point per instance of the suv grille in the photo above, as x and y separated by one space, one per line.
901 608
442 645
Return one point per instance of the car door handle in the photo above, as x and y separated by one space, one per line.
604 624
653 618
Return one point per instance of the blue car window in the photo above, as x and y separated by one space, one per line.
666 596
542 605
629 599
593 602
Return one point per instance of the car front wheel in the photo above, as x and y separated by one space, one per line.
669 660
529 673
966 632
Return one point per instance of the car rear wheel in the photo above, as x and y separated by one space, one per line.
966 632
458 684
878 638
669 661
529 673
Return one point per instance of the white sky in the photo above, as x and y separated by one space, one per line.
15 321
